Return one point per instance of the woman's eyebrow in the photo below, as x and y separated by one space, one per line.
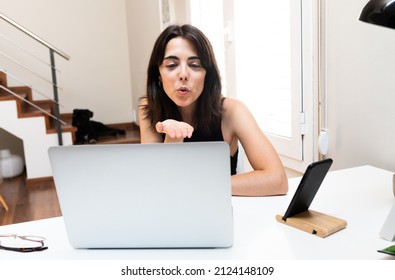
176 58
171 57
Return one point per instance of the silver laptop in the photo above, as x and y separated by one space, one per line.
145 195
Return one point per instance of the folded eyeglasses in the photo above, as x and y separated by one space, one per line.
22 243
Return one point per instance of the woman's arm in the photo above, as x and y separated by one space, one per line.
268 176
147 132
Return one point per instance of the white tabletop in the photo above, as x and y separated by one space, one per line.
362 196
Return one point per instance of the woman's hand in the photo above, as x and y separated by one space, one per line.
174 129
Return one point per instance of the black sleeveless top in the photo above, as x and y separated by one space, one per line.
215 135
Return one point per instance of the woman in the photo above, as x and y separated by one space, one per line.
184 103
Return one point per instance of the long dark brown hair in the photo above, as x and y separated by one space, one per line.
160 107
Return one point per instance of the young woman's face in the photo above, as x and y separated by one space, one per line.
181 72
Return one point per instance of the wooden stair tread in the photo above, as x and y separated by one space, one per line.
8 96
29 109
65 127
22 91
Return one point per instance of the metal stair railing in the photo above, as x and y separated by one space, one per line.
31 104
31 87
52 52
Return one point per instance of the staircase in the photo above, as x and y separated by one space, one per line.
20 116
35 124
26 110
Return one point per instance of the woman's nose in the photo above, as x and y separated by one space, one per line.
183 75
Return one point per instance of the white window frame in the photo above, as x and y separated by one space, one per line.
309 87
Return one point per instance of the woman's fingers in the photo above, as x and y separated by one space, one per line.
175 129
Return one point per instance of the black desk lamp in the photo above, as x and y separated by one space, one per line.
379 12
382 12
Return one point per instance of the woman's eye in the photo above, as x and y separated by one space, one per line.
195 66
171 66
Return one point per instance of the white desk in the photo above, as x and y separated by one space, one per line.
362 196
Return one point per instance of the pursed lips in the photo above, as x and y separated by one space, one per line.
183 90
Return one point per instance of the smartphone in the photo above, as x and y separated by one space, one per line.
308 187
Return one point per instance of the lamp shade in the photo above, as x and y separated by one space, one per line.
379 12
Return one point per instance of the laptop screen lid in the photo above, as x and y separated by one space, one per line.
145 195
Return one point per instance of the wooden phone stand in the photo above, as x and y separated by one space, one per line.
314 222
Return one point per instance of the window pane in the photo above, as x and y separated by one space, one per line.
264 63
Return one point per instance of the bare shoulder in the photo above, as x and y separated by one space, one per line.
141 108
235 110
233 106
143 101
237 120
230 102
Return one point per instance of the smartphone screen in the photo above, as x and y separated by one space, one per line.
308 187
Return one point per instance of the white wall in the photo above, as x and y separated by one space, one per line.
143 28
360 88
94 34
